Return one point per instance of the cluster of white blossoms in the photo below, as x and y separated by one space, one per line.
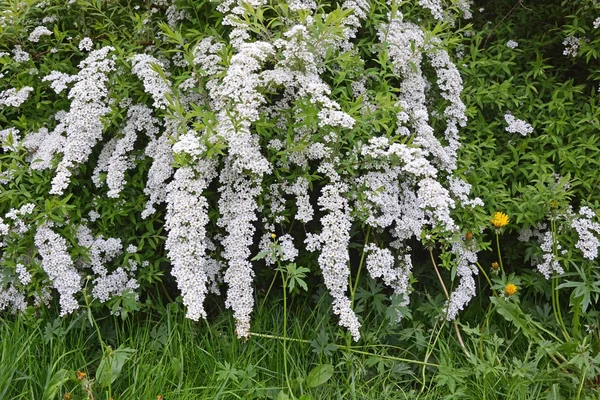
465 269
517 125
83 123
511 44
142 67
57 263
334 240
85 44
547 264
382 264
114 158
186 220
101 252
20 55
13 97
587 230
38 32
571 44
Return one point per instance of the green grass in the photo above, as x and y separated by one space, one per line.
180 359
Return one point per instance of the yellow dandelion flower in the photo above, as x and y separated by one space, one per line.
499 219
273 236
510 289
495 265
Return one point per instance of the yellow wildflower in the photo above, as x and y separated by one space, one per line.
510 289
495 265
273 236
469 236
499 219
67 396
80 375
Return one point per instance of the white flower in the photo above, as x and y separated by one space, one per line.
511 44
154 84
57 263
466 290
186 245
85 44
20 55
571 44
13 97
38 32
83 123
517 125
587 230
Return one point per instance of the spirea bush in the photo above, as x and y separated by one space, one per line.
209 143
183 138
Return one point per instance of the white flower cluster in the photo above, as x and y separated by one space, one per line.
285 243
23 274
517 125
13 97
587 230
19 55
511 44
381 264
597 23
83 122
461 190
186 220
38 32
9 139
101 252
115 160
465 269
57 263
548 264
154 84
206 56
299 188
571 44
434 6
237 206
43 145
59 80
334 240
406 42
160 151
85 44
11 298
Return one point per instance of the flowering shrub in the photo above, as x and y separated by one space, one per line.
173 141
298 119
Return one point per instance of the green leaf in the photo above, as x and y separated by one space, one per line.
111 365
319 375
56 382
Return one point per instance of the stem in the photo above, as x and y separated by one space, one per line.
287 377
499 254
268 291
362 259
555 300
460 340
487 278
581 384
438 274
